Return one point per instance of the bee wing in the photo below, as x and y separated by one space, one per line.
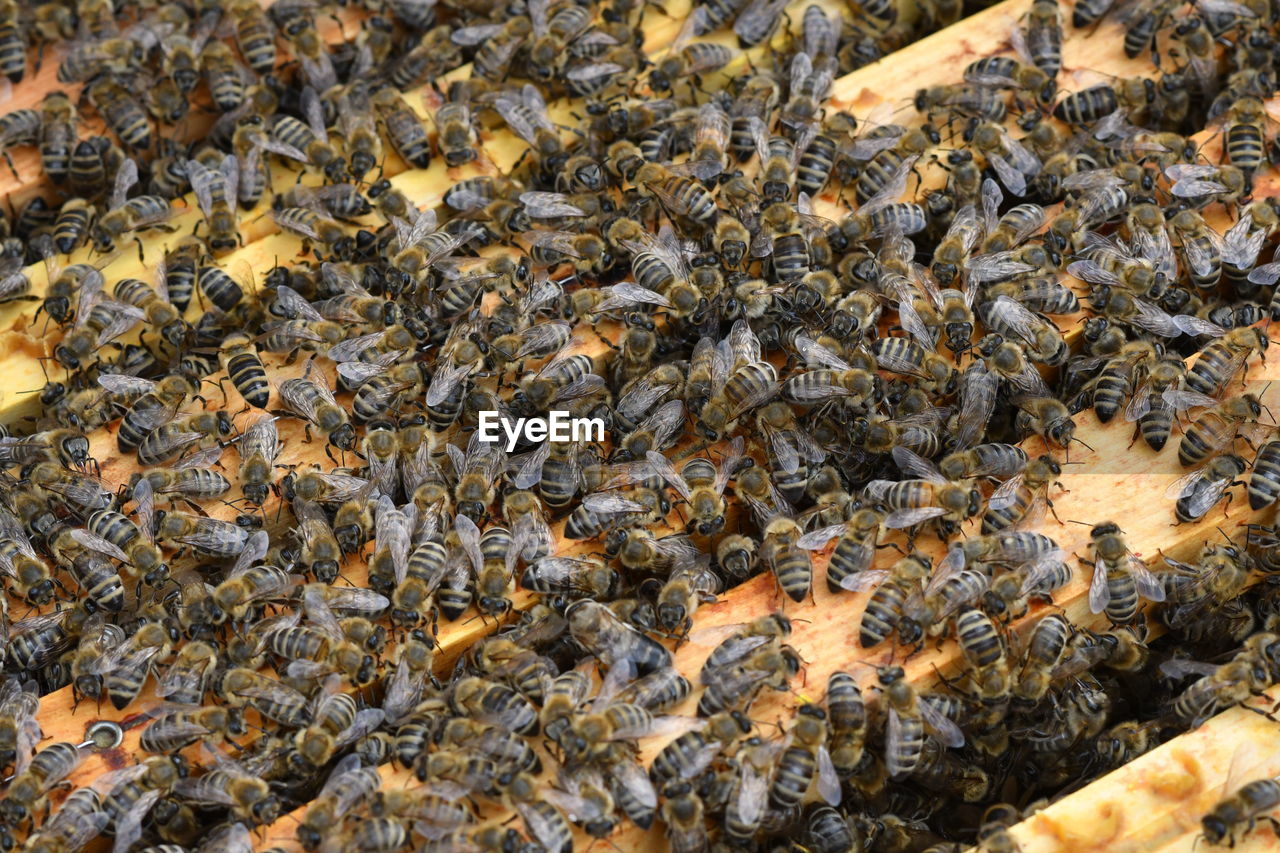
628 774
367 721
892 188
255 548
542 294
313 112
1099 591
1189 171
1156 247
901 518
549 205
474 35
729 463
828 780
1014 181
82 490
126 177
868 147
1090 271
206 458
1020 157
558 570
229 838
12 530
204 183
1004 496
1192 188
992 199
446 378
1014 315
947 732
864 581
978 390
676 548
812 351
73 829
469 539
664 422
1038 573
915 465
1141 403
394 531
351 348
610 503
1029 381
530 470
223 539
801 68
908 317
640 397
530 536
667 471
355 599
625 294
663 726
752 794
515 118
128 826
1242 242
144 507
1155 320
97 543
1149 584
588 71
995 266
293 304
541 829
893 744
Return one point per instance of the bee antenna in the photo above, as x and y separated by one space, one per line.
1073 521
1082 441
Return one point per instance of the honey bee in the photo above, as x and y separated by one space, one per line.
314 402
204 535
77 821
931 497
30 577
1246 806
229 784
348 783
907 721
29 789
1120 577
1199 491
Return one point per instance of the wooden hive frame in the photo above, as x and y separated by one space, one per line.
1182 778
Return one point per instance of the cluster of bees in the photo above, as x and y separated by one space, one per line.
775 384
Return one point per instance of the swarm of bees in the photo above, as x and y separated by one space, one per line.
772 383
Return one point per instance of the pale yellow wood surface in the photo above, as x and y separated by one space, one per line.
1154 803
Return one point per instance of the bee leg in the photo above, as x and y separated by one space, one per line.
9 160
142 255
1262 712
